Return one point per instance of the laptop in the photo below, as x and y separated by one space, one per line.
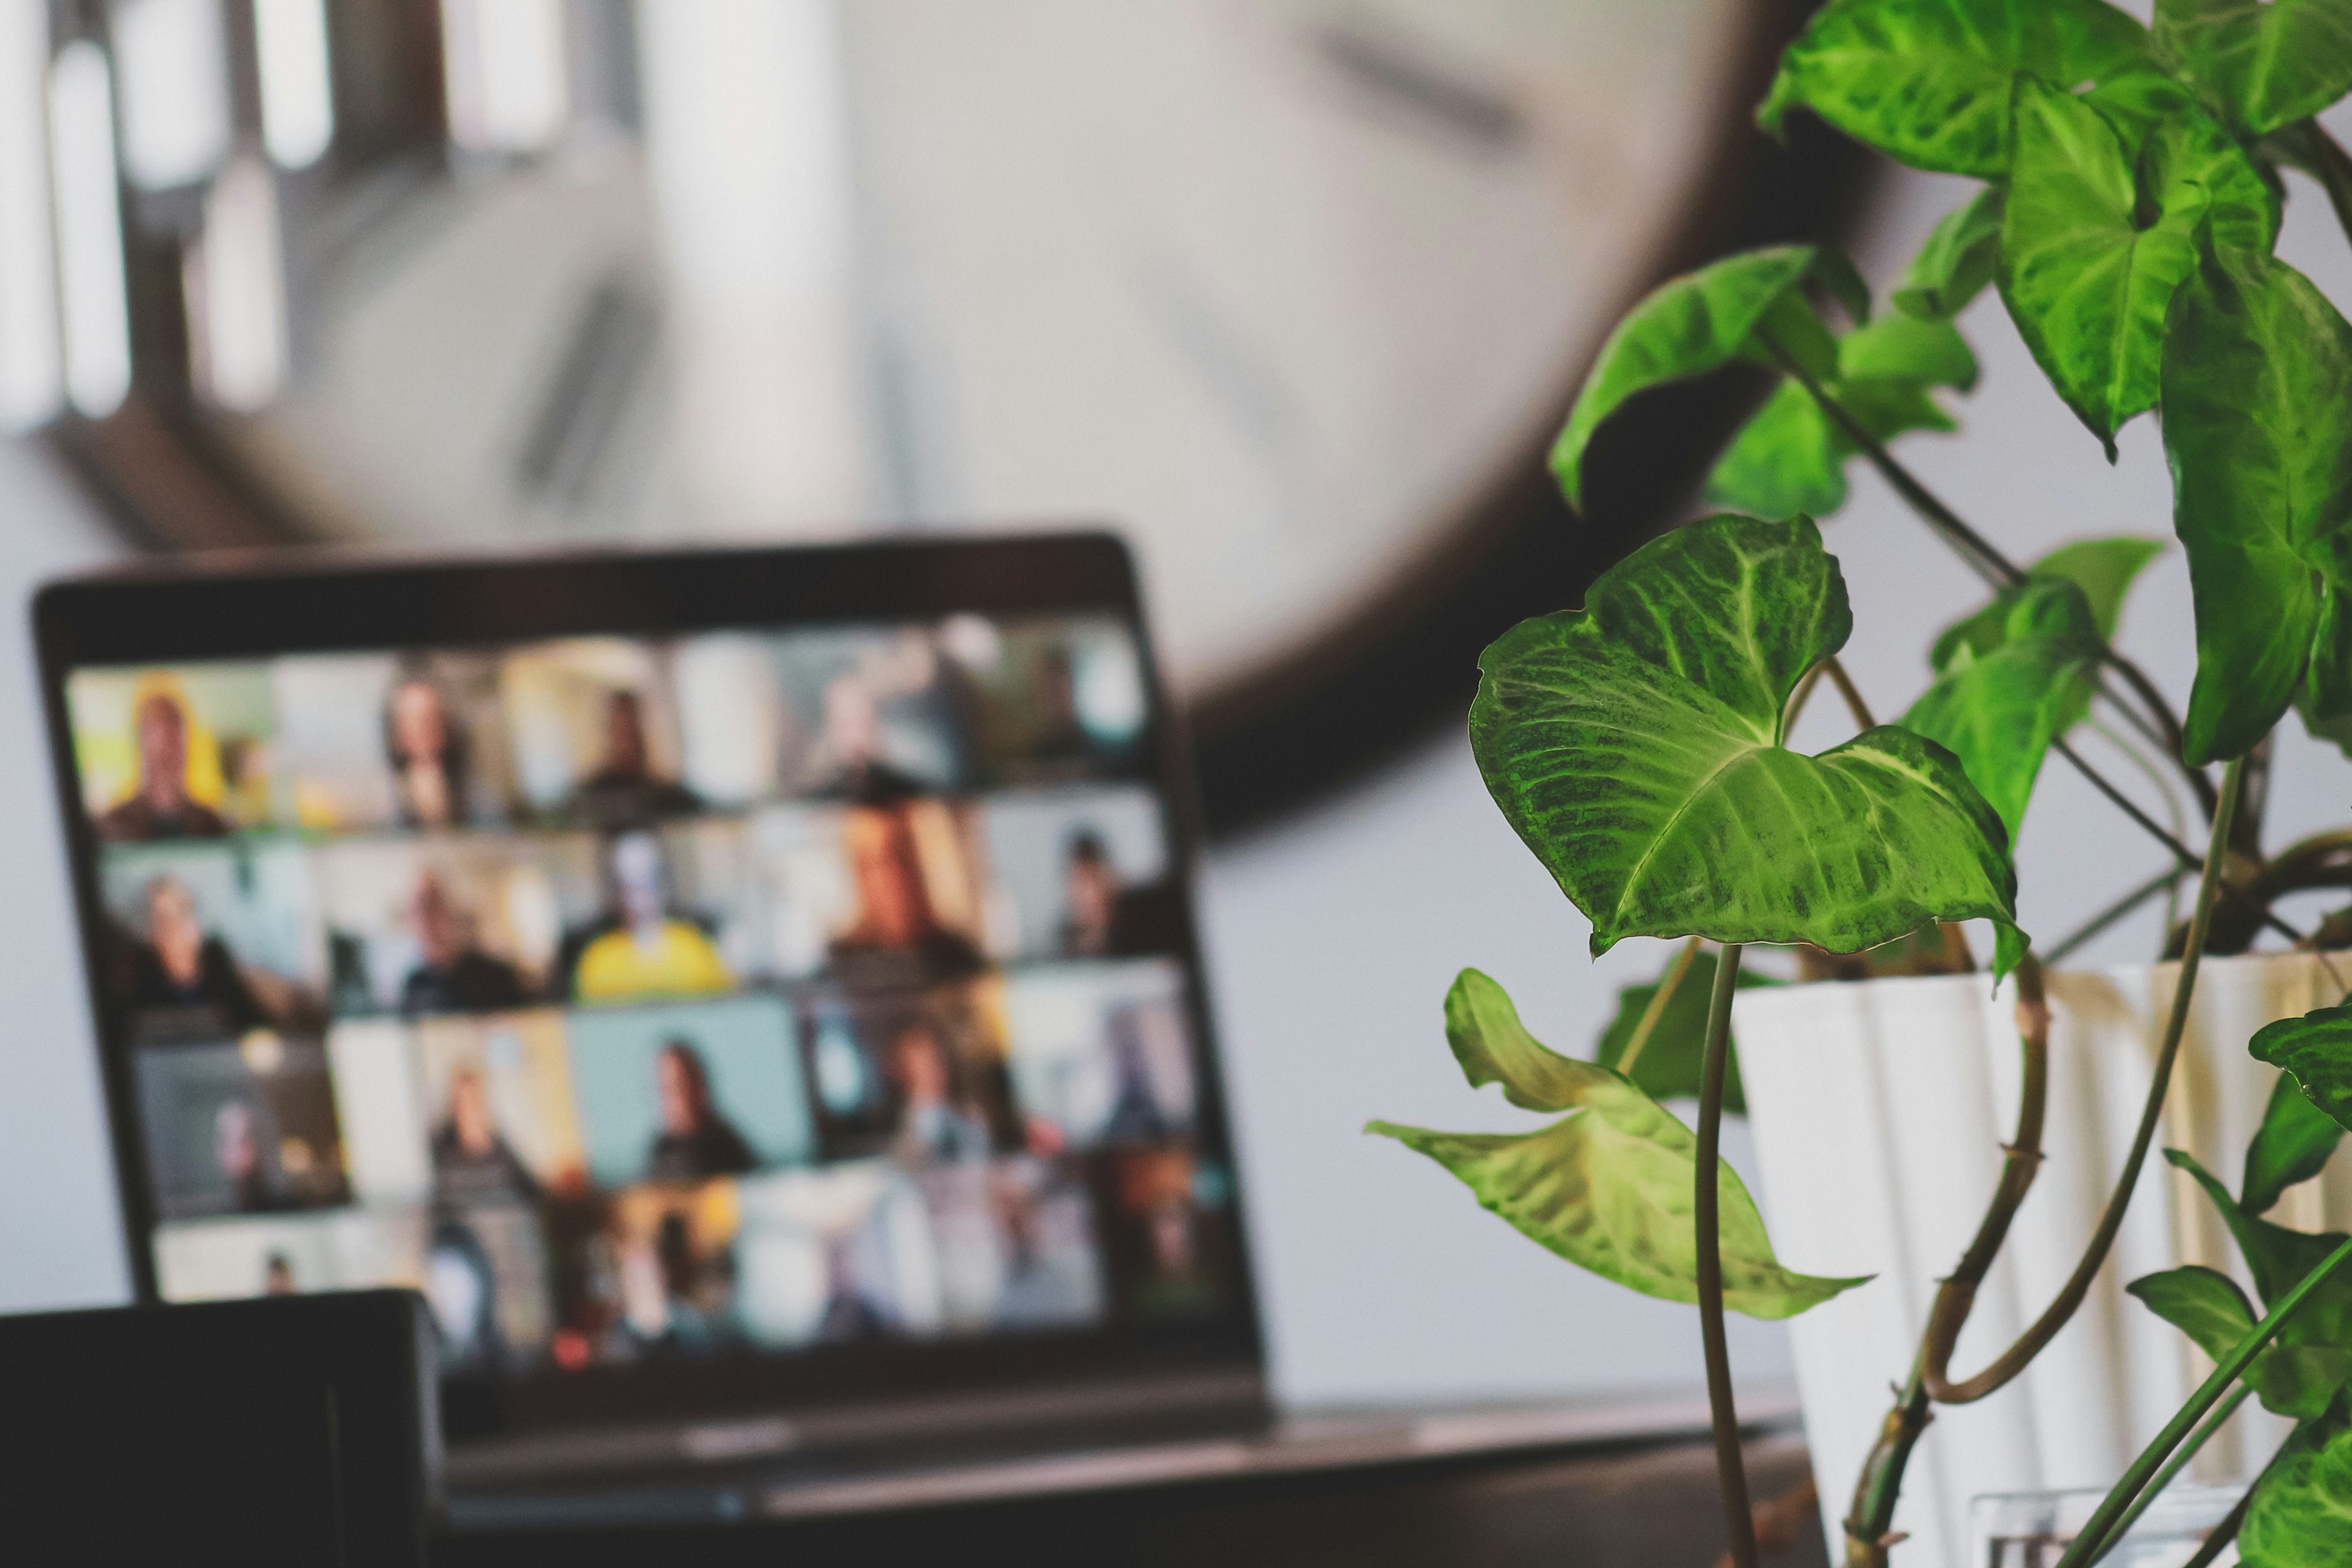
751 995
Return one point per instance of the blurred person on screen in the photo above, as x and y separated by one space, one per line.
159 806
895 918
1101 915
640 946
461 1289
1136 1116
696 1142
453 974
625 790
932 1125
236 1150
849 763
848 1313
472 1162
428 750
180 967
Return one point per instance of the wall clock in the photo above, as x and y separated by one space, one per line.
1292 290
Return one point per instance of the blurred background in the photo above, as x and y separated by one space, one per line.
1292 292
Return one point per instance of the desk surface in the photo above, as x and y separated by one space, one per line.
1598 1485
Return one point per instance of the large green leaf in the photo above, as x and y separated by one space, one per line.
2087 280
2312 1357
1953 268
2293 1144
1699 322
2105 569
1635 745
2300 1515
1998 701
1929 81
2316 1050
2258 430
1668 1067
1608 1186
2261 63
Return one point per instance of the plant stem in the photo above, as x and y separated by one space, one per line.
2174 1465
2159 724
2125 1492
1854 705
1738 1521
2189 860
2218 1540
1957 1294
1657 1008
1880 1485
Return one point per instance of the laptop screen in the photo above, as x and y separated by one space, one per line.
665 1000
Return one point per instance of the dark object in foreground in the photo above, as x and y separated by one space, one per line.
296 1429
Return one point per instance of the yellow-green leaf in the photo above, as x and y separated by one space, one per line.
1608 1186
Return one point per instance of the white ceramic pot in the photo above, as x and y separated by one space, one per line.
1879 1111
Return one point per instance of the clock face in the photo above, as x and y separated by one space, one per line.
1279 287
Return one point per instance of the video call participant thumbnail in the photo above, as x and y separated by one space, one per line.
180 968
160 806
624 791
428 751
642 945
453 974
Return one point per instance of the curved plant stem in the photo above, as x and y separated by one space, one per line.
1880 1485
1957 1294
2091 1541
1738 1521
2159 723
2174 1465
1664 994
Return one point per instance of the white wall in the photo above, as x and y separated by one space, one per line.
1332 941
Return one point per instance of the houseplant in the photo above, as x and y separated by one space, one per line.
2130 209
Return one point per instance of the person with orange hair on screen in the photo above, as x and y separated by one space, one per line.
161 806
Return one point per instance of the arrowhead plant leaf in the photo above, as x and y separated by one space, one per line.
2261 64
1636 747
2105 569
2293 1144
2089 262
2004 695
2316 1051
1700 322
1927 82
2312 1356
1953 268
2258 430
1609 1186
2208 1306
2300 1513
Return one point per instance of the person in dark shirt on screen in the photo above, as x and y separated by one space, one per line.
696 1140
624 790
1101 915
181 968
160 807
472 1162
454 976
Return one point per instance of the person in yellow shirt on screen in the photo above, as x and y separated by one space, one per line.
643 948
